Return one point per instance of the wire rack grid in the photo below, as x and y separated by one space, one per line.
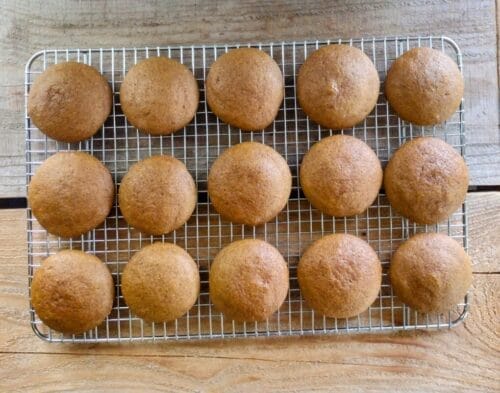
119 145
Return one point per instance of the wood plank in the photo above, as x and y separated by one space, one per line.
464 359
484 235
497 3
32 25
16 334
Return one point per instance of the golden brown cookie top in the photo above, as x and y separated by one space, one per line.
248 280
337 86
341 175
72 291
159 95
431 272
157 195
339 275
426 180
69 101
249 183
424 86
161 282
71 193
244 88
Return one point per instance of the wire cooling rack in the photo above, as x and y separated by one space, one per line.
119 145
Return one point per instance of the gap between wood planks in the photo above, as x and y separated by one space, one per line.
21 202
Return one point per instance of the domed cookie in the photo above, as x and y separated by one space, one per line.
341 175
161 282
69 101
159 95
426 180
71 193
339 276
248 280
72 292
244 88
431 272
424 86
157 195
337 86
249 183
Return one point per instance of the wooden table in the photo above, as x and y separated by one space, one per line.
462 359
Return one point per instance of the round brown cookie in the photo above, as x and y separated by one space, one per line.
157 195
424 86
248 280
337 86
159 95
426 180
341 175
245 88
431 272
69 101
72 292
71 193
249 183
161 282
339 275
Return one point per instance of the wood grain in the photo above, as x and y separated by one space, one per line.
464 359
484 248
484 233
32 25
461 360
